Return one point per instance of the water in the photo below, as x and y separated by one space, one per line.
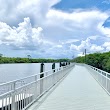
9 72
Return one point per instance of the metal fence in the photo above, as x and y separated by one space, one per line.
20 94
101 76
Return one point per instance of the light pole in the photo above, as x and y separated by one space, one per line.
85 55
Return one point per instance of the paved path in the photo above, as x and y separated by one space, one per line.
78 91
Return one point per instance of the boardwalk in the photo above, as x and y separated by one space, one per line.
78 91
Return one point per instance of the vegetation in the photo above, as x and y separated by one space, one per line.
29 60
99 60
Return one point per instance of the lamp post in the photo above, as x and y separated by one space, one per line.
85 55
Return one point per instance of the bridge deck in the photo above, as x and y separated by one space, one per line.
78 91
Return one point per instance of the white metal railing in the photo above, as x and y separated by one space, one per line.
20 94
101 76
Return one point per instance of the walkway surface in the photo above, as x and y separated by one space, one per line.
78 91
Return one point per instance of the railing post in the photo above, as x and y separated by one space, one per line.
60 64
106 82
66 63
42 70
53 76
36 78
41 77
13 105
35 88
53 67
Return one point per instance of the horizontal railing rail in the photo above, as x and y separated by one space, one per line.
101 76
8 86
20 94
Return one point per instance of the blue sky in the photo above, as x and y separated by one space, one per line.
54 28
83 4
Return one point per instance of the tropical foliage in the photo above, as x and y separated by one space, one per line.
99 60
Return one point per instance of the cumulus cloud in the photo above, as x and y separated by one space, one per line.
87 45
22 37
13 12
107 46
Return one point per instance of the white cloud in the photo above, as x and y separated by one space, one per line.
84 44
77 25
69 41
81 54
79 19
59 46
96 48
93 37
23 36
107 46
105 31
13 12
87 45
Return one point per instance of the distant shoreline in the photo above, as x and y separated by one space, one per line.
9 60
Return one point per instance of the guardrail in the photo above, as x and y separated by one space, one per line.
20 94
101 76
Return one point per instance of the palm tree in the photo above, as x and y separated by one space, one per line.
29 56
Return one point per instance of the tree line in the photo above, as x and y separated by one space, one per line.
29 60
98 60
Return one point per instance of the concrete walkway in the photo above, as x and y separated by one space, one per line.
78 91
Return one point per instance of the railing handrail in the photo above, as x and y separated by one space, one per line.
16 89
93 67
99 69
17 80
26 85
